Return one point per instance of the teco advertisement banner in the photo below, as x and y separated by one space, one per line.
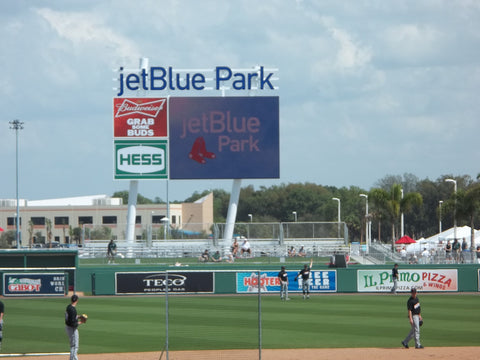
155 282
224 137
140 117
34 284
423 280
320 281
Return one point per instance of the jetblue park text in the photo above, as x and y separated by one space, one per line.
160 78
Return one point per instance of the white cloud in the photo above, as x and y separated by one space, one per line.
350 53
85 29
413 43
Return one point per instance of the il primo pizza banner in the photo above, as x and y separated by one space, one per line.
422 280
320 281
34 284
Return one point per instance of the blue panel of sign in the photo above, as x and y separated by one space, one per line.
224 137
320 281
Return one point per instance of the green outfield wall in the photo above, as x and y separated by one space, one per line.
103 279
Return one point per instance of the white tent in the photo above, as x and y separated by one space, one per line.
440 240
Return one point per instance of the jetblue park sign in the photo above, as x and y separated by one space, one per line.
196 137
158 78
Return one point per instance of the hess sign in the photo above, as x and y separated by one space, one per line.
141 159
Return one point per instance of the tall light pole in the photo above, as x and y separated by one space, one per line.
402 223
338 216
294 215
17 125
455 207
367 222
440 202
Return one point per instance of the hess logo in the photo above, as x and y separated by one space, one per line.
141 159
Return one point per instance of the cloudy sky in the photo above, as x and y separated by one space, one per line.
368 88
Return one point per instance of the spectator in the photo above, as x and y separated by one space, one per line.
478 254
216 257
205 256
229 258
291 252
448 251
302 252
246 248
456 250
425 256
413 259
234 248
403 254
464 249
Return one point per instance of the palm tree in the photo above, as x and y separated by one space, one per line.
468 206
48 228
30 232
393 203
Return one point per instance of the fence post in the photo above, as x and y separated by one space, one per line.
259 317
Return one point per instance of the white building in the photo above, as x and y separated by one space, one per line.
64 219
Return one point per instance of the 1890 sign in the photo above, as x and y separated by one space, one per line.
153 283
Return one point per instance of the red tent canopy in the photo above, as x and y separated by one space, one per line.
405 240
1 229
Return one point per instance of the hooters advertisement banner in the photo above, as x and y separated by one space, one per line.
422 280
140 117
320 281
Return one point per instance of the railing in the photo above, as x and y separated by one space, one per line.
178 248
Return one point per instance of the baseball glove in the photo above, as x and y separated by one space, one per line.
420 322
83 318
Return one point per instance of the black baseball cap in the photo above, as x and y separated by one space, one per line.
413 290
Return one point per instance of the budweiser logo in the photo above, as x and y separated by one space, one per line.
150 109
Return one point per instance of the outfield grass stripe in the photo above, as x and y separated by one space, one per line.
131 324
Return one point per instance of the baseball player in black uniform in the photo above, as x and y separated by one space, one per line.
71 326
2 311
415 318
283 277
111 251
395 278
305 274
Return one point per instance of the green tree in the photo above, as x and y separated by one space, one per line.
141 200
7 239
468 207
101 233
391 204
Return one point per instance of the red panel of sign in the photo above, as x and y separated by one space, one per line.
140 117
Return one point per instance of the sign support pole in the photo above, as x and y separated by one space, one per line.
231 214
132 195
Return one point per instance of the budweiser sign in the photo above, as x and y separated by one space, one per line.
140 117
151 109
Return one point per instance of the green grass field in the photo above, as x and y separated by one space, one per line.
131 324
